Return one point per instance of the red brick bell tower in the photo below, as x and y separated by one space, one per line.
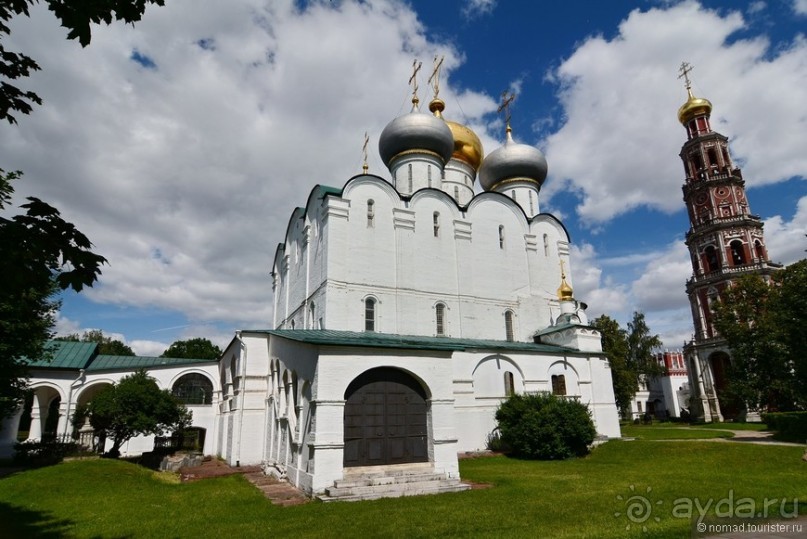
725 241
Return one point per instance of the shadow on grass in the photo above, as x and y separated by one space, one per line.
18 522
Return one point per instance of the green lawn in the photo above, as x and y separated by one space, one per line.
664 432
577 498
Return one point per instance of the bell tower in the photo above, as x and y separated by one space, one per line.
725 240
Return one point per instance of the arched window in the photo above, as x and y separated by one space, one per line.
370 213
712 262
292 324
513 194
558 384
532 203
546 245
436 224
456 193
193 388
508 325
501 236
409 177
509 384
759 250
440 313
429 174
312 315
711 154
737 253
369 314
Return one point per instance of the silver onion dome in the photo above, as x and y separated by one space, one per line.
512 161
416 131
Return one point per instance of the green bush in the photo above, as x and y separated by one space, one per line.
543 426
789 426
44 452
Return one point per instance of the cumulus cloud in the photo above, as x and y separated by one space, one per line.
787 240
620 140
602 294
800 7
181 149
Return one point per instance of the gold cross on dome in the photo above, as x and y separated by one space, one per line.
413 80
684 71
434 80
364 152
507 100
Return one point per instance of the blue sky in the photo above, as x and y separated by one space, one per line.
180 146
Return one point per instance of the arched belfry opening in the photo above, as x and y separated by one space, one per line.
385 419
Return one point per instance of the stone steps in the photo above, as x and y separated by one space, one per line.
391 483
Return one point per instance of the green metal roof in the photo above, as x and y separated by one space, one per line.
104 362
83 355
385 340
66 355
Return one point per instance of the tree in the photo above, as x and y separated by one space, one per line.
615 346
106 345
74 15
197 348
42 254
133 406
641 346
762 323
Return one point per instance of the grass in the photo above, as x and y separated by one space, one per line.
576 498
664 432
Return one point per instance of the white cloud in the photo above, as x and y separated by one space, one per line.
787 241
800 7
620 140
184 175
661 285
603 295
148 348
477 8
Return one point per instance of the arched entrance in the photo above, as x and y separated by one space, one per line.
721 364
385 419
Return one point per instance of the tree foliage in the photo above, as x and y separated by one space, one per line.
615 346
544 426
42 254
198 348
641 346
106 345
630 354
76 16
763 326
133 406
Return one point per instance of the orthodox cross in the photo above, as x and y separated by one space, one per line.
434 80
684 71
413 80
364 152
505 106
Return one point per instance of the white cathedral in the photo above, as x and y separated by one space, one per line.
406 309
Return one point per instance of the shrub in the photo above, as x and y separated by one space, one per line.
44 452
789 426
544 426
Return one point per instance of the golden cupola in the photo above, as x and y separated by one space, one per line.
694 107
467 146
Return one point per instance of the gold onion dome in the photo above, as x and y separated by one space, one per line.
467 146
695 106
416 132
565 292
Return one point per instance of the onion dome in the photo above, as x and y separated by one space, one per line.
565 292
512 162
695 106
467 146
416 132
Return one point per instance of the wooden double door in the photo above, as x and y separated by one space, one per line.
385 419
